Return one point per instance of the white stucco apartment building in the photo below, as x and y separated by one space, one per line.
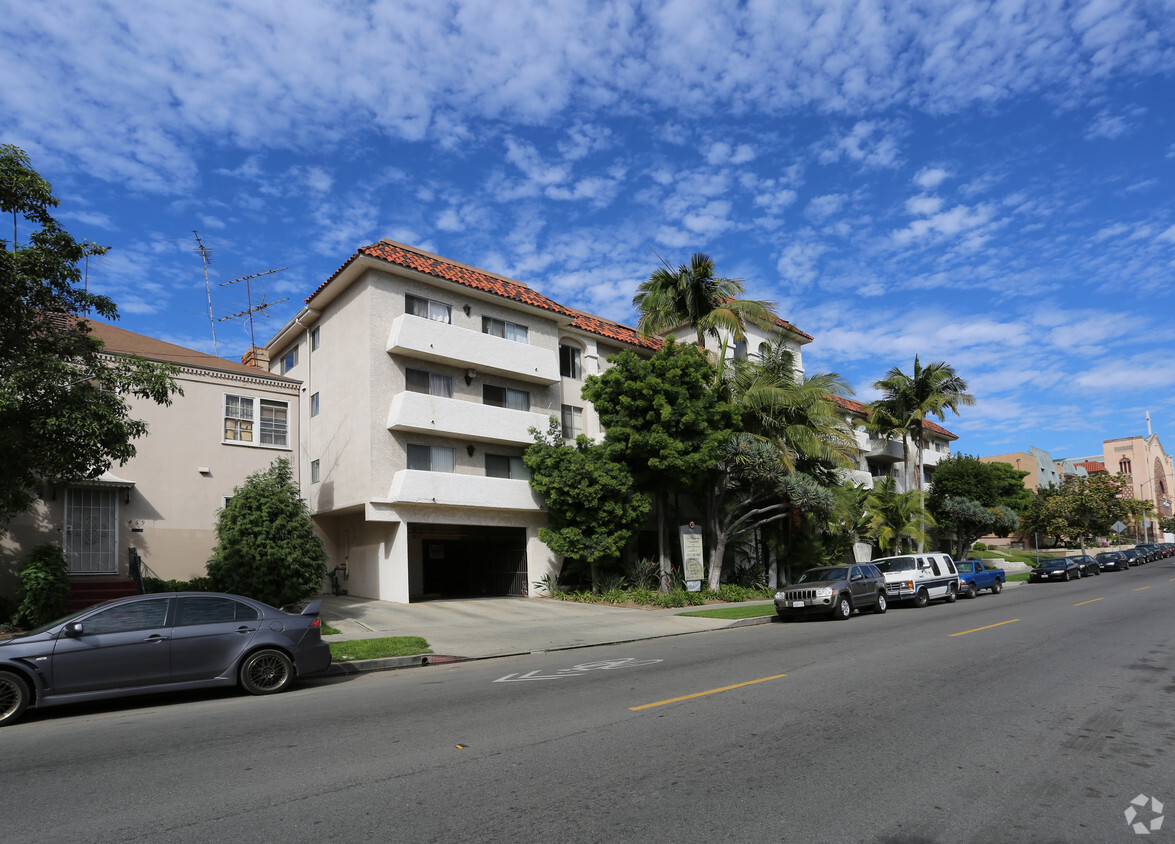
422 379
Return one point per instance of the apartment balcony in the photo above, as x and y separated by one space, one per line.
411 486
419 413
439 342
884 451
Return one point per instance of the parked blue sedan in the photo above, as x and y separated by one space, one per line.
160 643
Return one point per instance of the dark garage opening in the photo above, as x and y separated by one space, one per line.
463 561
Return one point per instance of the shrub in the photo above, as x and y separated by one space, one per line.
642 595
153 585
615 596
46 583
979 546
644 574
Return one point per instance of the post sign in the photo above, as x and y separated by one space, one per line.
693 556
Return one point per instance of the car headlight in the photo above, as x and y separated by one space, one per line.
824 592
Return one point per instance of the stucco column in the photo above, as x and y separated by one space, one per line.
393 563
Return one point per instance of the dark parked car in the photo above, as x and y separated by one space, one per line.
1058 568
1087 564
1112 561
1133 556
834 591
160 643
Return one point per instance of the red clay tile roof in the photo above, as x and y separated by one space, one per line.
403 256
863 410
399 255
1092 466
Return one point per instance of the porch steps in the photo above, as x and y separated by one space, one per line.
86 593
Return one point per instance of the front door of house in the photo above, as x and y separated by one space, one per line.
91 530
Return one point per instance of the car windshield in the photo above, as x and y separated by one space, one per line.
817 575
899 564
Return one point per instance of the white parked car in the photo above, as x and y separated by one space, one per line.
920 578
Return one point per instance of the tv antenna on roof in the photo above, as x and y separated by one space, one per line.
259 308
207 259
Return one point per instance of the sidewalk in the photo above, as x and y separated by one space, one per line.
493 627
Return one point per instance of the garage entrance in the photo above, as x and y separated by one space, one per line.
465 561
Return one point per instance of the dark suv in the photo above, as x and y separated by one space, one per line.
834 591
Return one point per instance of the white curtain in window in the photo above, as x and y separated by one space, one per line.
440 385
517 400
443 459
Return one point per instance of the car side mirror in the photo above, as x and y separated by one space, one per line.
74 629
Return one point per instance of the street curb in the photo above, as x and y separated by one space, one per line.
392 663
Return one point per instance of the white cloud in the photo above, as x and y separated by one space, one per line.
929 178
868 143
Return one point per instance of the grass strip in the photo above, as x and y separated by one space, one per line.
744 611
379 648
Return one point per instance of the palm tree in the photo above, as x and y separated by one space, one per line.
896 517
908 399
693 295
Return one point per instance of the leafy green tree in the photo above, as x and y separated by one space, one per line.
592 511
1078 510
664 422
907 401
1168 524
64 409
266 547
692 295
970 499
45 578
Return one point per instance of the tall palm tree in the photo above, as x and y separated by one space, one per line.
907 400
693 295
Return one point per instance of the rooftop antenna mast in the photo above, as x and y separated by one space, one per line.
207 259
260 308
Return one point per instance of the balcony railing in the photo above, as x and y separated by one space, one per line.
424 414
411 486
440 342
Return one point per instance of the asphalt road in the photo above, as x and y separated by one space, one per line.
1035 715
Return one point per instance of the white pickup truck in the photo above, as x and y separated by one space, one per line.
920 578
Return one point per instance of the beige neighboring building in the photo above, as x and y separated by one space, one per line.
1043 471
423 379
1148 467
231 420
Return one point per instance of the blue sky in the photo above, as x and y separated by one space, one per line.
987 184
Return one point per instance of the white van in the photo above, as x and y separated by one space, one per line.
920 578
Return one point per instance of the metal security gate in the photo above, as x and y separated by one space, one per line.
468 561
91 530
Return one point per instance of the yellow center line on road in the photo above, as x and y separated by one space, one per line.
703 694
977 629
1083 603
1140 588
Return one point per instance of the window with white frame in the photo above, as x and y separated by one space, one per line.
572 421
427 308
570 365
505 397
314 405
289 360
315 339
431 458
251 421
315 472
501 466
502 328
429 383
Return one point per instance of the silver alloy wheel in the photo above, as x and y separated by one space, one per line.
14 697
266 672
843 609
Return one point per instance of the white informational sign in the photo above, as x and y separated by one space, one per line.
693 556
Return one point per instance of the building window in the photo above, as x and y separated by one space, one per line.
315 475
252 421
314 405
501 328
500 466
572 422
569 362
429 383
1124 466
431 458
427 308
740 349
314 339
505 397
289 360
764 351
